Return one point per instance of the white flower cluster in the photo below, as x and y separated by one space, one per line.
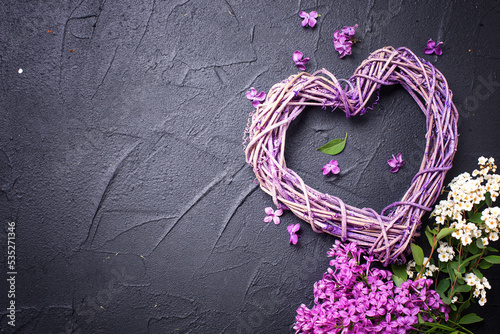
445 252
430 269
491 218
480 286
465 192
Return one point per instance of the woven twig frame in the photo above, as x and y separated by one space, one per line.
387 235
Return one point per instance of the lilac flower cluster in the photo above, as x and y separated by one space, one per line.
354 298
343 40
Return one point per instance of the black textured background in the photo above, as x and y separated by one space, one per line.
121 156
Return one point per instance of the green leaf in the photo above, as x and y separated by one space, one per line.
476 218
470 319
479 244
467 260
462 288
334 146
446 300
400 271
491 249
430 236
494 259
451 272
418 254
445 232
442 287
454 265
485 265
487 199
397 280
463 306
473 248
477 273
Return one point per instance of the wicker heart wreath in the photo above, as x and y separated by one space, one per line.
387 235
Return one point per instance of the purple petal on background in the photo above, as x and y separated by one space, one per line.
251 93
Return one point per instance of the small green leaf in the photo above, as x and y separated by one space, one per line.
494 259
445 232
476 218
430 236
473 248
487 199
470 319
334 146
446 300
479 244
463 306
451 272
418 254
397 280
443 285
400 271
454 265
485 265
493 250
477 273
462 288
467 260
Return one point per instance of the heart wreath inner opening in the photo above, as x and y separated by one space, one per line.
388 234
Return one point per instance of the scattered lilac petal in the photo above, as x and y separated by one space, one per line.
432 47
331 167
350 31
309 19
396 162
273 215
292 230
298 59
255 97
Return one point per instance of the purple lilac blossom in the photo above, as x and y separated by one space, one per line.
273 215
255 97
432 47
354 298
350 31
293 229
396 162
343 40
309 19
299 60
331 167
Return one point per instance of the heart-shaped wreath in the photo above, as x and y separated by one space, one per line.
388 234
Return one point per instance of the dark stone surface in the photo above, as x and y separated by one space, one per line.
121 155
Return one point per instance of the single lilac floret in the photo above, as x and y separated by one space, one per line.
396 162
293 229
299 60
309 19
350 31
255 97
331 167
273 215
432 47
